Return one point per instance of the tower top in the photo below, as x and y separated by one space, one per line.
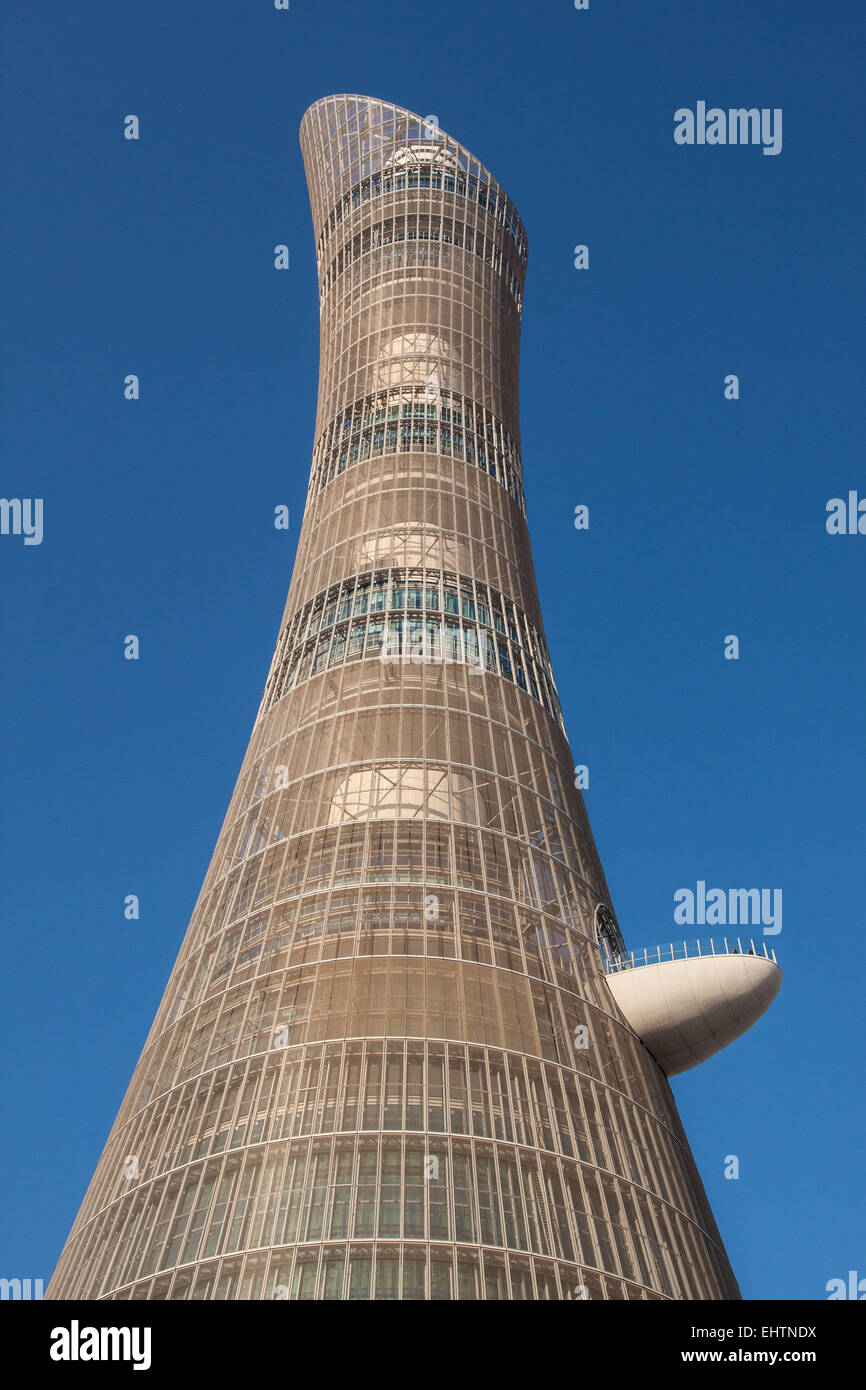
348 139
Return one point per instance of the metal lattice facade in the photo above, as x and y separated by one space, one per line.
387 1063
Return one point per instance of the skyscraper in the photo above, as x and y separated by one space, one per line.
398 1055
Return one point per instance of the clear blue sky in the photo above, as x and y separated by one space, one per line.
707 517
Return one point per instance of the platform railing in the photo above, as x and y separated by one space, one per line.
686 950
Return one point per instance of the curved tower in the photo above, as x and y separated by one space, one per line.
388 1062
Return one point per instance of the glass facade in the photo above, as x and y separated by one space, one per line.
404 421
413 615
387 1063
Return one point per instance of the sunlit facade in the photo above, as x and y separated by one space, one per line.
388 1063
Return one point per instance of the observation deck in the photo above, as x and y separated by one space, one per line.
687 1001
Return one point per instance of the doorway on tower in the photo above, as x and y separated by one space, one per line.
608 936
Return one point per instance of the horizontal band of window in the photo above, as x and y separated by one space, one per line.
429 180
463 623
397 234
418 419
414 588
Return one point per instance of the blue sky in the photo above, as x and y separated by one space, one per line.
707 516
